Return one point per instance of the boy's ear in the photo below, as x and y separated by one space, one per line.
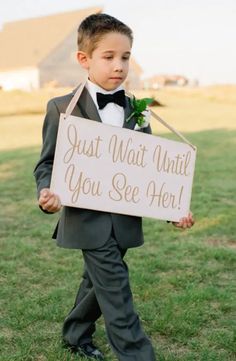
82 58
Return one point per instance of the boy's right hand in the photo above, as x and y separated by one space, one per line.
49 201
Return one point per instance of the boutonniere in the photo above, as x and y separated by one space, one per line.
140 110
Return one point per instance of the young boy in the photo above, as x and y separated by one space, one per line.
104 48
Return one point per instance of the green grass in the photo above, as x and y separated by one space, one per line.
184 282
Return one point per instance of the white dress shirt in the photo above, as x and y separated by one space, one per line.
112 114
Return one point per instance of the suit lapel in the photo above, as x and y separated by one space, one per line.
128 110
86 107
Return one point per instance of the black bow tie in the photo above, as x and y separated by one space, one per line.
104 99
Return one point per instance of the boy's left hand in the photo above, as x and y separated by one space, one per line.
185 222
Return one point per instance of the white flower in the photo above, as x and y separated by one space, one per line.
147 117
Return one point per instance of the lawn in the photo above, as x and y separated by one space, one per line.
184 282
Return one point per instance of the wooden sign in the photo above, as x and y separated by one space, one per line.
118 170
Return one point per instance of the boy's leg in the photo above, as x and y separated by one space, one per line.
109 275
79 325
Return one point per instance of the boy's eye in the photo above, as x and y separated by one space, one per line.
110 57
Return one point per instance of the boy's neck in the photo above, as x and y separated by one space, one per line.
100 89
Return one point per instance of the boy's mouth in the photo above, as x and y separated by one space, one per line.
116 78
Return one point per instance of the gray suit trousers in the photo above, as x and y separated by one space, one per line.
105 289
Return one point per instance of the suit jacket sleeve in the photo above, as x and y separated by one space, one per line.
43 169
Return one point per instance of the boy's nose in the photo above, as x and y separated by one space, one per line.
118 66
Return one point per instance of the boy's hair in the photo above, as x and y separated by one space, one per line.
95 26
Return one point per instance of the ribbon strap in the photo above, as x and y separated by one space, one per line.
74 100
162 121
171 129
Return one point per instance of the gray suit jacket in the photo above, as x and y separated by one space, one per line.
77 227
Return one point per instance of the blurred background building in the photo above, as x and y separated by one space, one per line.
41 52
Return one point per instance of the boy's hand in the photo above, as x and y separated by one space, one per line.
49 201
186 222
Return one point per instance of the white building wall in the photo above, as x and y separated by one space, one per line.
24 79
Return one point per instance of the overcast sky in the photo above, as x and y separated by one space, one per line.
195 38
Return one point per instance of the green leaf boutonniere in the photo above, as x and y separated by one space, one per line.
139 106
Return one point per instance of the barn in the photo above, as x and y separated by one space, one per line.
41 51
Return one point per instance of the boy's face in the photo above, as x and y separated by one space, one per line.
109 63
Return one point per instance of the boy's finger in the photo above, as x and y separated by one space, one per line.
45 194
178 224
183 223
50 202
42 201
53 204
191 217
